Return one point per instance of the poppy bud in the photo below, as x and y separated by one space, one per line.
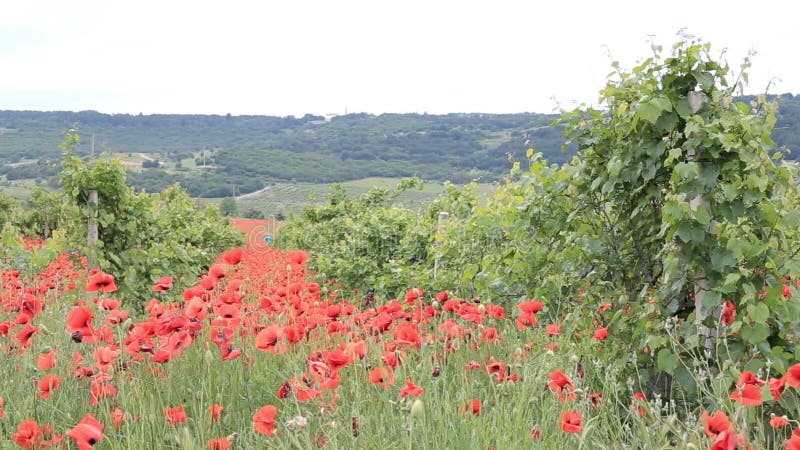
417 408
437 371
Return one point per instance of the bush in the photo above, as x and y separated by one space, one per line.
142 236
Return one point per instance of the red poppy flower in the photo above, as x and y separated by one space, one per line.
562 386
284 390
794 441
600 334
382 377
233 256
778 422
716 423
748 377
48 384
571 422
729 440
102 282
298 257
87 432
110 304
748 394
2 411
117 316
638 401
27 435
553 329
472 407
175 415
215 410
776 387
526 320
319 440
264 420
337 359
23 336
407 334
595 398
792 376
163 284
411 389
787 291
101 389
489 334
105 357
530 306
208 283
267 340
46 361
220 444
117 417
729 314
413 294
218 271
498 370
80 320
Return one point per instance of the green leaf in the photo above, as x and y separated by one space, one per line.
667 361
721 259
711 301
705 80
686 379
758 312
651 110
683 108
686 170
690 232
675 154
755 333
701 215
614 167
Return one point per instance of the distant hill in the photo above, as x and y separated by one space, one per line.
215 156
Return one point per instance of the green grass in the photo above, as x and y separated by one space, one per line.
19 189
288 197
514 400
281 197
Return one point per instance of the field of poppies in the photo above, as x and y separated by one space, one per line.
642 296
256 356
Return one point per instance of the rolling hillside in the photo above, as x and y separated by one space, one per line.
217 156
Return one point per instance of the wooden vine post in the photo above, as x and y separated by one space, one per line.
443 217
91 234
702 286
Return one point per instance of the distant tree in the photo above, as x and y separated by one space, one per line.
228 207
253 213
280 216
49 211
8 205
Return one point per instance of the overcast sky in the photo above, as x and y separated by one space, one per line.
295 57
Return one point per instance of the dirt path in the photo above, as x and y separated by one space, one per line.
253 194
